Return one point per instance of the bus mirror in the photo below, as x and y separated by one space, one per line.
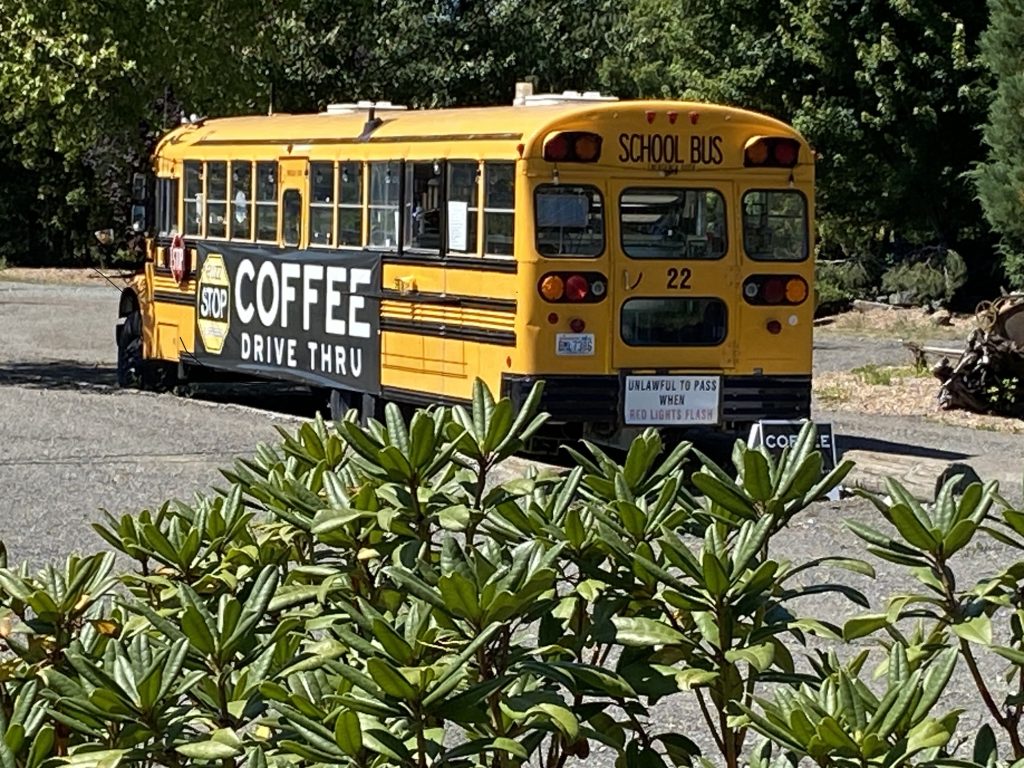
138 218
140 188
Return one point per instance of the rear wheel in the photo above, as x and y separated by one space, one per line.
343 400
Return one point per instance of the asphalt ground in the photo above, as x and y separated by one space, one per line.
72 444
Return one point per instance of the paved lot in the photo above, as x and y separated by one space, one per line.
71 444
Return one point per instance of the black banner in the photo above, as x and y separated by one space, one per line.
310 316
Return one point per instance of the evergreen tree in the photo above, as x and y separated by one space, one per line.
1000 180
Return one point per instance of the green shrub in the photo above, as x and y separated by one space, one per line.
373 597
839 283
935 279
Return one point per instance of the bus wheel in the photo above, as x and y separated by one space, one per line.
340 402
133 370
130 363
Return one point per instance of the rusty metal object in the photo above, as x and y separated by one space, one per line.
989 375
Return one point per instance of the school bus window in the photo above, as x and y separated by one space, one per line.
217 199
166 206
663 223
671 322
423 206
499 208
569 220
775 225
266 202
321 203
350 212
290 221
193 197
463 206
241 201
385 180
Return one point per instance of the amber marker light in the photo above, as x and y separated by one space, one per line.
552 288
796 290
588 147
757 153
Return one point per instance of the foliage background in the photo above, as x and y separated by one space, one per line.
893 96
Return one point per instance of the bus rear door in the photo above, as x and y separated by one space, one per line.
674 291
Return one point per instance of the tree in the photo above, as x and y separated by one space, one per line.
889 93
1000 179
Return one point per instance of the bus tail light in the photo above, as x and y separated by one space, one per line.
575 287
577 325
771 152
775 290
552 287
572 147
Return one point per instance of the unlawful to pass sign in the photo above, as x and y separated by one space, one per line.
671 400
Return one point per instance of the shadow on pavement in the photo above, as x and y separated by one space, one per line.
857 443
57 374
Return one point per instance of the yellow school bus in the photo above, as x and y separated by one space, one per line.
649 260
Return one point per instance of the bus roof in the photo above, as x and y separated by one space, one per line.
520 124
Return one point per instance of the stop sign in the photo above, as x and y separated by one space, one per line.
178 259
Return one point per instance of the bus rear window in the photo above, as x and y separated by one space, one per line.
775 225
670 322
569 220
665 223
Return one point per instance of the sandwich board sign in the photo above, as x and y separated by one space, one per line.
778 434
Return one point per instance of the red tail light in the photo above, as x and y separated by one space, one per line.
577 287
775 290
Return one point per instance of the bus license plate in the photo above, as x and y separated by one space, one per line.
575 344
671 400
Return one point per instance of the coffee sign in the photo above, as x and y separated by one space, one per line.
311 316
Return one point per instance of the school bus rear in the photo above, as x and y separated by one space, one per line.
664 269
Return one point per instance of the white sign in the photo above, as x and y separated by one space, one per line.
458 220
671 400
572 344
778 434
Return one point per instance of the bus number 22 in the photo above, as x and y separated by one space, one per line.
679 279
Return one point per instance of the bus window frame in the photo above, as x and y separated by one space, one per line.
226 202
685 257
250 202
408 171
806 227
312 205
604 222
273 202
395 249
473 212
485 209
723 301
361 206
199 199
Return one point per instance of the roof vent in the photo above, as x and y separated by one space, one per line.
362 106
565 97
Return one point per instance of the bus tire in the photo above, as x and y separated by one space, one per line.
130 363
133 370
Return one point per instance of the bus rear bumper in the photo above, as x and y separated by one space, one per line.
597 400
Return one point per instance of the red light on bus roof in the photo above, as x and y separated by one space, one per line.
573 147
785 153
771 152
649 114
694 117
556 148
672 117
